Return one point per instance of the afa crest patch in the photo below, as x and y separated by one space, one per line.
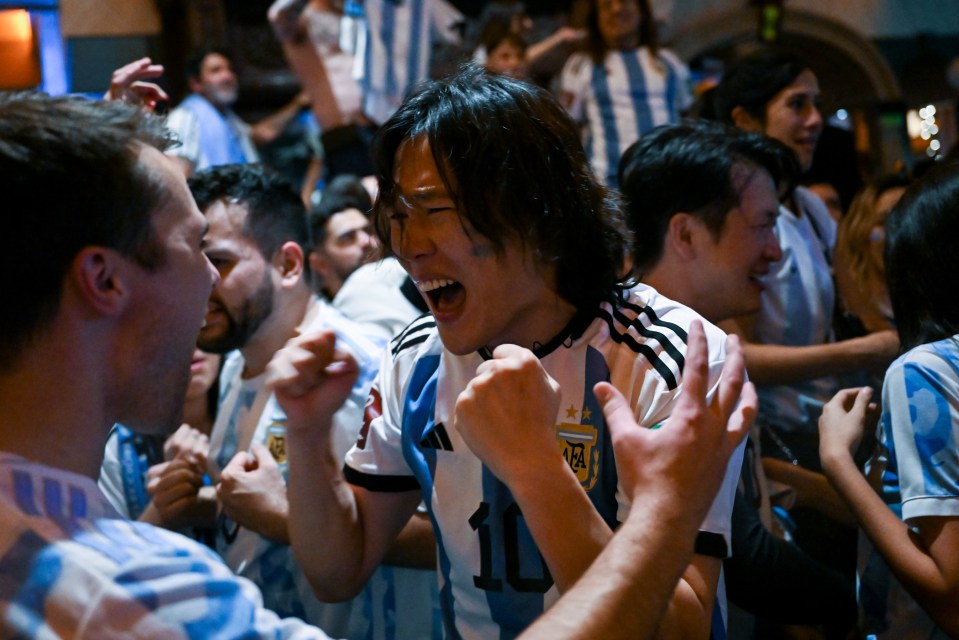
276 443
578 444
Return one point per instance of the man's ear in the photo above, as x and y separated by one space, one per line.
744 120
681 235
195 85
101 277
289 260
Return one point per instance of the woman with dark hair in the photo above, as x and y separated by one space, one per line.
791 352
622 84
912 519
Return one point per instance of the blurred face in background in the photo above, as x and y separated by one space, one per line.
793 117
507 58
217 82
618 22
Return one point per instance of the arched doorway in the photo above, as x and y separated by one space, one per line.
853 74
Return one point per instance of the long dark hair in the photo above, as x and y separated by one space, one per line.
596 46
921 259
753 81
512 159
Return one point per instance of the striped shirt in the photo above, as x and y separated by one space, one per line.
631 93
250 414
493 581
399 42
72 569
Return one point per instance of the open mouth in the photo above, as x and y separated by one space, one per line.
443 294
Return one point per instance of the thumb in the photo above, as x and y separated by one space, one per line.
263 456
861 405
619 416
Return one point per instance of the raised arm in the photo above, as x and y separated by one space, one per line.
286 18
505 415
924 561
311 379
673 474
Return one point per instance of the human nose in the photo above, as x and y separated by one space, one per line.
213 271
773 251
367 240
412 240
814 118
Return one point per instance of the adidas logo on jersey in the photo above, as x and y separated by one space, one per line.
437 438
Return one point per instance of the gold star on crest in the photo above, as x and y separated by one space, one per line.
586 414
571 412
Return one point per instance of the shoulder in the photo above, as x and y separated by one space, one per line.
670 58
577 65
935 364
345 328
419 337
657 329
813 206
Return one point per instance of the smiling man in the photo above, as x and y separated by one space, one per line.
485 409
704 199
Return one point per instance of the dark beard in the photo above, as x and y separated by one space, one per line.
241 325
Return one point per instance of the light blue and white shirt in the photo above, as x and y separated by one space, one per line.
399 42
72 569
797 310
209 137
631 93
493 580
249 414
919 466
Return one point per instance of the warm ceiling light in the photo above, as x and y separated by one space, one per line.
15 26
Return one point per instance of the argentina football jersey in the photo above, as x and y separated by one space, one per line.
493 580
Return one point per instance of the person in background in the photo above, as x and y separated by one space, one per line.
210 132
702 200
341 234
791 351
502 41
829 196
623 83
908 503
151 478
859 265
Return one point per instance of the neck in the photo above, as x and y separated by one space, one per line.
55 409
288 314
674 282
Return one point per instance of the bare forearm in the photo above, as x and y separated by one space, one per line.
906 555
322 505
568 530
770 364
627 590
269 128
812 489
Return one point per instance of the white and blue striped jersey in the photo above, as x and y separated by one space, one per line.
797 310
250 414
399 42
919 467
631 93
493 580
72 569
